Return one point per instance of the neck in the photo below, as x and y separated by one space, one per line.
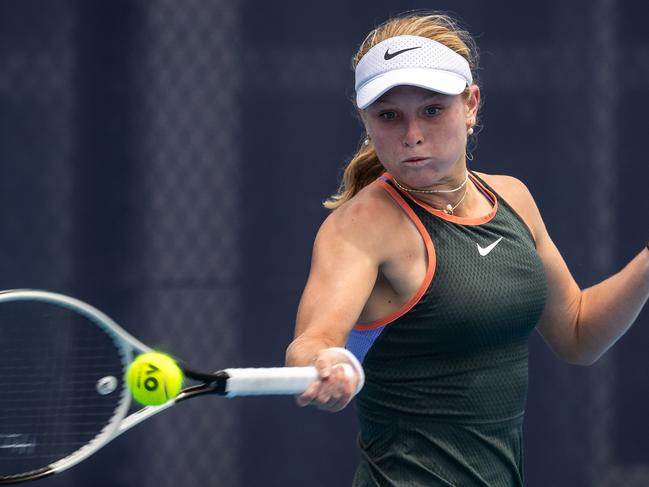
473 204
447 196
455 202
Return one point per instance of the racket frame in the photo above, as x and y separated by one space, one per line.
243 382
126 344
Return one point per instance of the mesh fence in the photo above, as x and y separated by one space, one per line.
187 127
165 151
37 141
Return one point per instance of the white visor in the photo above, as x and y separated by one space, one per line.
410 60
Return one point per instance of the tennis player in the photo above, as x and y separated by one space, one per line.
433 276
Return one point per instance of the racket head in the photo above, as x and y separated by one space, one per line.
63 392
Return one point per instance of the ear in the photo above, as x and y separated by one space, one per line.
472 105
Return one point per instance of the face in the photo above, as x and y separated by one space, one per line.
419 135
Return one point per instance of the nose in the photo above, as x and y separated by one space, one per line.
414 135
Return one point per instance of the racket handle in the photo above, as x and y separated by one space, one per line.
269 381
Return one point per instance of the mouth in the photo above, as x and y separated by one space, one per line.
415 161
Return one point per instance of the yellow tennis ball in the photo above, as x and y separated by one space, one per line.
153 378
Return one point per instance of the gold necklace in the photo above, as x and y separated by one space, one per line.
450 209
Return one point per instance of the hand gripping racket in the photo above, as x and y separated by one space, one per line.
63 393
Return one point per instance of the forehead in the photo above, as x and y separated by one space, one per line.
406 93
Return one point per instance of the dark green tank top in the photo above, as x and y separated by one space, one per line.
446 375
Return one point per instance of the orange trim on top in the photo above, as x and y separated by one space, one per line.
430 271
453 218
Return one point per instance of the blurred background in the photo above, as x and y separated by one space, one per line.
166 161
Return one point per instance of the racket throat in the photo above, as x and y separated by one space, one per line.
210 384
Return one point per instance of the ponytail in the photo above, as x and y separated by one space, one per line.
363 168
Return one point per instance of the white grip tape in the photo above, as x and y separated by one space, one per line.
269 381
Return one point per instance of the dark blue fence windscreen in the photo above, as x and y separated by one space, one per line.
166 161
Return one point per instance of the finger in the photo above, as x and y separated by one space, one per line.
347 370
350 374
339 383
309 395
323 366
350 389
334 390
335 405
347 378
332 393
345 387
350 382
324 396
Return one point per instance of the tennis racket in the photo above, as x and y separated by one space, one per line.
63 393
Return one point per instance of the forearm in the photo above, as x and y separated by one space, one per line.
608 309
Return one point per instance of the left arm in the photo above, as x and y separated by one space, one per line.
579 326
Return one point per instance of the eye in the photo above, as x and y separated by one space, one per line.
388 115
433 110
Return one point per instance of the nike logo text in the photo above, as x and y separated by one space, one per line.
388 55
489 248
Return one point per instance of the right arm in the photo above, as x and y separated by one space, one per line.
348 251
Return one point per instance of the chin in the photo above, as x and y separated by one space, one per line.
424 178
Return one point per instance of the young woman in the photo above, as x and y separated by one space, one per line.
433 276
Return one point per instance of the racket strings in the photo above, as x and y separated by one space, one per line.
52 360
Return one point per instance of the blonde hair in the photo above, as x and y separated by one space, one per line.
364 167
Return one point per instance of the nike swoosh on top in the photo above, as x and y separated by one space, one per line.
389 55
489 248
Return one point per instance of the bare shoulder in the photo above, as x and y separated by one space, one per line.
519 197
368 216
508 187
